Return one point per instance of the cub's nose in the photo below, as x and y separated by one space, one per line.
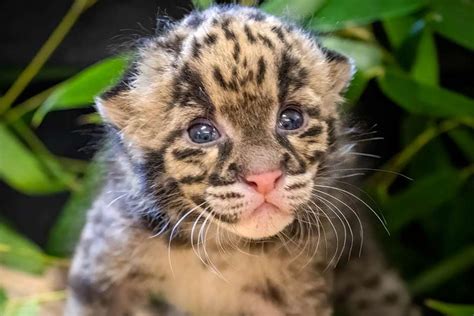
263 182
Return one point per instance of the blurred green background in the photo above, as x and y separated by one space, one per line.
414 80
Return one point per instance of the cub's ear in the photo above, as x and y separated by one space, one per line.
342 69
113 105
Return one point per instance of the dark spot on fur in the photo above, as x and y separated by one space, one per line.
296 186
391 298
216 180
236 53
266 41
312 132
372 282
363 304
182 154
251 38
261 70
257 16
85 290
210 39
229 34
193 179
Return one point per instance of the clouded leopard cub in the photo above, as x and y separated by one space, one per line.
225 192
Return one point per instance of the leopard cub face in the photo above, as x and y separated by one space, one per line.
229 116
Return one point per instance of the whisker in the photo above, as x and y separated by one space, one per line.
360 200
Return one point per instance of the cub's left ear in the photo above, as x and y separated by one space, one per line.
342 69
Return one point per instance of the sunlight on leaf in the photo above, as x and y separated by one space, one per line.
425 67
202 4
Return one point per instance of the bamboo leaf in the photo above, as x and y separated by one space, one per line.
454 19
21 169
295 9
202 4
443 271
425 67
81 89
423 99
338 14
19 253
451 309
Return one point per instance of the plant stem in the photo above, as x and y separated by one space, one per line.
27 106
78 6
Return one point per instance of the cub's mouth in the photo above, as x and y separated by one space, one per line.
259 207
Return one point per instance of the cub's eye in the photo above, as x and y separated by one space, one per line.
203 132
290 119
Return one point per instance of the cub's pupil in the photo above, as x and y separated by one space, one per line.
203 133
290 119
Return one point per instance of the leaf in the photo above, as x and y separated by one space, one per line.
66 231
366 56
451 309
3 299
202 4
425 67
398 29
81 89
20 253
423 99
22 170
454 19
338 14
23 308
422 197
295 9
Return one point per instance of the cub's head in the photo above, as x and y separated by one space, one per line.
229 116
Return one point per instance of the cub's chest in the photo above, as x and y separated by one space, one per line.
233 283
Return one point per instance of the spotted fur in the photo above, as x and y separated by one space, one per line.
165 220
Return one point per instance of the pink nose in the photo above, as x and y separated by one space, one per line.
264 182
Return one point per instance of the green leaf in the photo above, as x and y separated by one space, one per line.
295 9
455 20
464 138
81 89
66 231
338 14
425 67
398 29
202 4
423 99
22 170
366 56
23 308
451 309
20 253
422 197
3 299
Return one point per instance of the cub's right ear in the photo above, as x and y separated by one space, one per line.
113 105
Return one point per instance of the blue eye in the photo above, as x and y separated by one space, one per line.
202 133
290 119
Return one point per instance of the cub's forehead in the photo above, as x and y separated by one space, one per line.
237 56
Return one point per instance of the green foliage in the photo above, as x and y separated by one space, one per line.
437 122
451 309
20 253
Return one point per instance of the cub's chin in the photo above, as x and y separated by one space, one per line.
262 222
